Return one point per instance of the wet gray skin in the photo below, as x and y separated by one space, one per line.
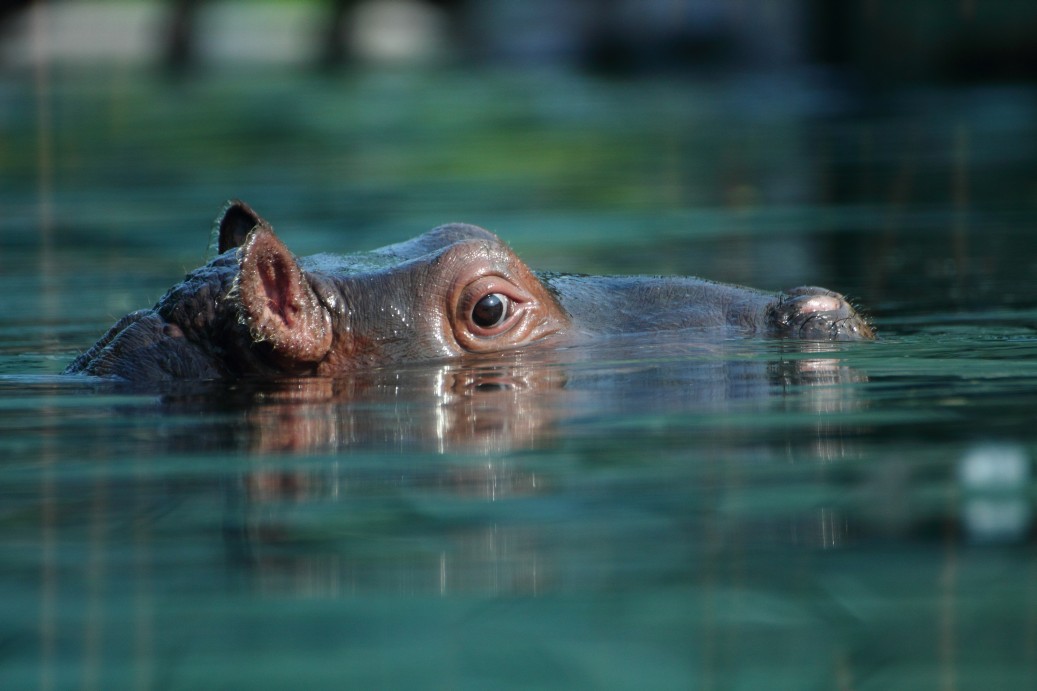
457 290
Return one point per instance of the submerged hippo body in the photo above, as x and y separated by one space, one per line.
256 310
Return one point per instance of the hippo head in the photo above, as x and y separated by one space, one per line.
455 290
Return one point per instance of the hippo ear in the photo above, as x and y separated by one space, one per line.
234 225
278 303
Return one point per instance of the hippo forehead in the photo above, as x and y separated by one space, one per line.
425 246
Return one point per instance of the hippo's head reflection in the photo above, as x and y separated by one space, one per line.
481 409
494 407
414 458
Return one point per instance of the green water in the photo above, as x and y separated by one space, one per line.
679 512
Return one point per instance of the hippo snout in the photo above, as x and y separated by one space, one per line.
817 314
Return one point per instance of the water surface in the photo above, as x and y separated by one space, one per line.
685 511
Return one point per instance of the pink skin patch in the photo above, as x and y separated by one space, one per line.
821 303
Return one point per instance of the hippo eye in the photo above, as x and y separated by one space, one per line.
490 310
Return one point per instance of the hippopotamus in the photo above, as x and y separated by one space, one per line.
256 310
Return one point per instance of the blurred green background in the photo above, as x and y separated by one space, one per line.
884 148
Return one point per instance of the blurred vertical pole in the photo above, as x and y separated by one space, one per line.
180 52
44 122
1030 640
94 575
947 642
948 623
143 614
960 183
39 27
961 200
335 50
829 27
